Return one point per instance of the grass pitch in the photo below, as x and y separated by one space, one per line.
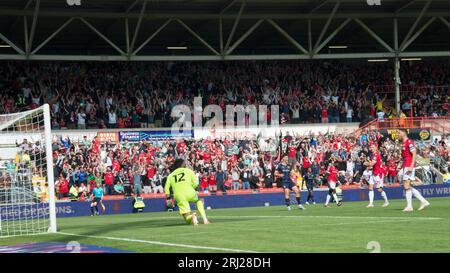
350 228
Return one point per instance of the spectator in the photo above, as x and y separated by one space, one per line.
221 177
109 182
63 187
118 188
212 183
137 182
235 179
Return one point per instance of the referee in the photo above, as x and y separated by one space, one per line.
96 197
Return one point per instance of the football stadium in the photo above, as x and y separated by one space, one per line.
224 126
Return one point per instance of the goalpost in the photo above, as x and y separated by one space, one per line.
27 191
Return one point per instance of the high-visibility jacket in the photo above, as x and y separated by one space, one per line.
139 202
73 193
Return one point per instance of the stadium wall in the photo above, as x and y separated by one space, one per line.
8 147
69 209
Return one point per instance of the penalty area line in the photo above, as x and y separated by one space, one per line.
327 216
158 243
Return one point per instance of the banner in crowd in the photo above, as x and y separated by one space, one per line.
133 136
422 134
108 137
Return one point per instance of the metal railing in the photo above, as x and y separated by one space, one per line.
411 89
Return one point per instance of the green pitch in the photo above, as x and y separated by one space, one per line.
349 228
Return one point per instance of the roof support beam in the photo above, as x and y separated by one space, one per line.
309 36
374 35
127 36
327 24
287 36
218 58
102 36
136 31
25 32
132 6
210 16
396 34
52 35
445 21
405 6
198 37
33 27
229 5
18 18
221 35
413 27
319 6
244 36
236 22
431 20
14 46
152 36
339 28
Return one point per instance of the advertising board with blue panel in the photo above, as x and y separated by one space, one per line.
134 136
68 209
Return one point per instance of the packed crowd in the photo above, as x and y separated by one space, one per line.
129 95
221 164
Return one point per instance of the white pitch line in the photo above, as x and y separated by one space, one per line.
309 216
365 222
158 243
325 216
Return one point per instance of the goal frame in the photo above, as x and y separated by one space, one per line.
50 175
47 133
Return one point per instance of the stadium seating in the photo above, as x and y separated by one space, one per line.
130 95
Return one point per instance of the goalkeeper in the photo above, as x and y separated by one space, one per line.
184 183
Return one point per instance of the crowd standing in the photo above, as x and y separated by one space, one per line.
132 95
135 168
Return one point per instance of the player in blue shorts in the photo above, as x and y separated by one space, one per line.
96 198
284 172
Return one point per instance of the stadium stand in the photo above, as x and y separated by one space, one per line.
133 95
247 164
140 95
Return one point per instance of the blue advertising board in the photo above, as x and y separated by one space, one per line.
68 209
134 136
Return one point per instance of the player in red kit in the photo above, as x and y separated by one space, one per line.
332 180
407 172
377 176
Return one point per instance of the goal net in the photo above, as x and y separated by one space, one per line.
27 195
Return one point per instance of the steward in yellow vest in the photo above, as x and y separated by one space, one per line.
138 203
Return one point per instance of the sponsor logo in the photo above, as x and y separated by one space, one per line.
130 136
424 134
